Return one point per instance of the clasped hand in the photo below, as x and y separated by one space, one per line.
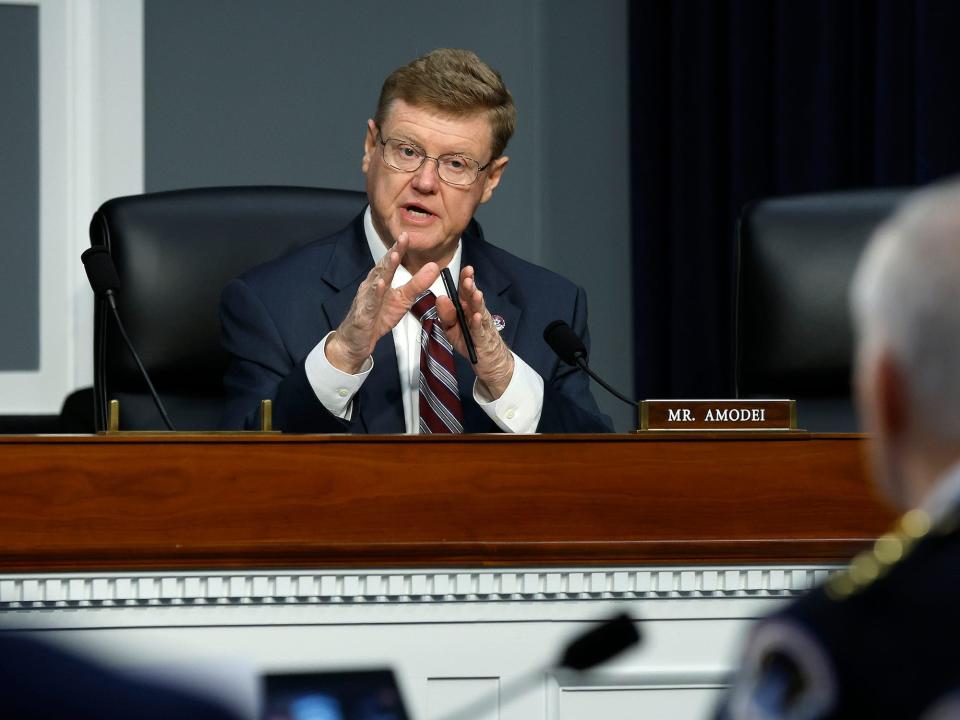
378 307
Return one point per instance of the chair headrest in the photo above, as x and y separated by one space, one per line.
175 251
796 258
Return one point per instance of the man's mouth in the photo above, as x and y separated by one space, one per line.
417 210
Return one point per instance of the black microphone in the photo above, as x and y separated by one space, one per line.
101 272
103 277
601 643
565 342
586 651
570 348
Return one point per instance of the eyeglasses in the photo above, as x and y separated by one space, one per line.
453 169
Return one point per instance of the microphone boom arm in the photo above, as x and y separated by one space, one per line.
136 358
582 364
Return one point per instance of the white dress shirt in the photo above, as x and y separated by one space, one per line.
516 411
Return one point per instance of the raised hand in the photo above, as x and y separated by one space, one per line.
494 366
376 309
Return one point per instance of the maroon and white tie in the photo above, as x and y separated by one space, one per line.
440 407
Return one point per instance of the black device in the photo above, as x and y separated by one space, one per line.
340 695
451 288
102 274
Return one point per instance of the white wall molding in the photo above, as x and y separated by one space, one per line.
688 691
402 587
41 390
450 634
108 139
91 149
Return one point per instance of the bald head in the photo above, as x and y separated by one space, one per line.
906 306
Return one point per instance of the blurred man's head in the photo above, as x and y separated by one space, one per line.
456 83
434 150
906 306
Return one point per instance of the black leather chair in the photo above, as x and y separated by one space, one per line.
794 337
76 417
175 251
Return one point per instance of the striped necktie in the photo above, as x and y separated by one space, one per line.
440 407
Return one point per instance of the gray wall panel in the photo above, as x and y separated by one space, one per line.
586 213
278 92
19 189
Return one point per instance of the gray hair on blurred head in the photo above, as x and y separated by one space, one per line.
905 298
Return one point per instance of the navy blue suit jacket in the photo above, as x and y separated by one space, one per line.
274 315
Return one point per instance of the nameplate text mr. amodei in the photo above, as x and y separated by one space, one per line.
724 415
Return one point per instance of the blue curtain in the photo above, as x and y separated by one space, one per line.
737 100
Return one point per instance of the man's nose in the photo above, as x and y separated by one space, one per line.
427 179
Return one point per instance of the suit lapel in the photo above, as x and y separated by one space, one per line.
494 283
379 402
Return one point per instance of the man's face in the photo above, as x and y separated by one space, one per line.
431 212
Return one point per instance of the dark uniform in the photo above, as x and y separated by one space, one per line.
878 640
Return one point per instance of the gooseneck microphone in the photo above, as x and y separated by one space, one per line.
570 348
595 646
598 645
102 274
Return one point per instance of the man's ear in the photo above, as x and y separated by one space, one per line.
369 145
892 404
492 177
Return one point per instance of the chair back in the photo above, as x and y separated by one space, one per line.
796 257
175 252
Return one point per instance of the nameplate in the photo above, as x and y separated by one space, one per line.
718 415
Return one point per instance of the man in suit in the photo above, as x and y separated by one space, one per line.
882 639
355 333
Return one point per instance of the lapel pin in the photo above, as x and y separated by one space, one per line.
499 323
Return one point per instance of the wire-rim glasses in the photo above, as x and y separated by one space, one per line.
453 168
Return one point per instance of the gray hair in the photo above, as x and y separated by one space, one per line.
905 297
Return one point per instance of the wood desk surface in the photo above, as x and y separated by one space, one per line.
288 501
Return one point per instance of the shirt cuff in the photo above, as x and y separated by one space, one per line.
518 409
334 388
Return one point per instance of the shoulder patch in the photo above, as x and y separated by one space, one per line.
786 674
887 551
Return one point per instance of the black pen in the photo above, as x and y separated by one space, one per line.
461 318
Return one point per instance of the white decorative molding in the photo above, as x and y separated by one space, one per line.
647 678
38 390
684 691
447 632
107 141
91 148
401 587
